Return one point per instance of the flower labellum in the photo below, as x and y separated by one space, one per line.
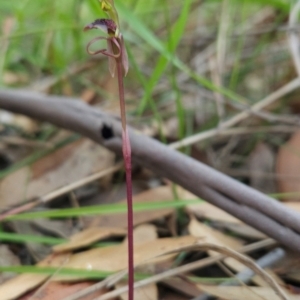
106 25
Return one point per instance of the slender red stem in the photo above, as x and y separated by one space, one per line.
127 159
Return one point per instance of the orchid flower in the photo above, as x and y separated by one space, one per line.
118 60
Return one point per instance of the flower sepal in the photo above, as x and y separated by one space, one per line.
116 50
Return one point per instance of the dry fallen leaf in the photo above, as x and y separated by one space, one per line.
243 230
216 237
7 258
56 170
293 205
222 218
56 290
163 193
208 211
213 236
183 286
288 166
149 292
143 233
88 95
114 258
62 228
88 237
12 78
38 251
14 288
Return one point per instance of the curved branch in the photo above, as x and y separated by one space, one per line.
247 204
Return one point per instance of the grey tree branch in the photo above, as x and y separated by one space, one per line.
247 204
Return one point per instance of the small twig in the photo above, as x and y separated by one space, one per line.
37 294
169 273
288 88
108 282
75 203
247 261
217 80
205 246
257 129
246 173
19 209
268 29
245 276
216 62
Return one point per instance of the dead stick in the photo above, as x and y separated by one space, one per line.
189 173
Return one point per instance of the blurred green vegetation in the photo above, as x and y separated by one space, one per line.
164 40
47 35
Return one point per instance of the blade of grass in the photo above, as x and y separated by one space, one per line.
91 274
51 241
175 35
94 274
145 33
144 84
103 209
233 81
22 238
172 46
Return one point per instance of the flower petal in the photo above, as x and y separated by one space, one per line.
111 60
124 56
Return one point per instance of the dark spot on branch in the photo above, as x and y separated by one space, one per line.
107 132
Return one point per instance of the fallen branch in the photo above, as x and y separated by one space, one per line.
245 203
